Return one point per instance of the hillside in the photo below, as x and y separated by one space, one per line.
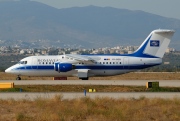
33 24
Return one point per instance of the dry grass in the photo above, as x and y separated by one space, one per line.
81 88
128 76
86 109
99 109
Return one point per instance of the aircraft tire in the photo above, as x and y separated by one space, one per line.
18 78
87 78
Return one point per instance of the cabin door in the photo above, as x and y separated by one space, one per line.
34 63
126 63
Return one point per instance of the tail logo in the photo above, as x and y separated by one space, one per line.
154 43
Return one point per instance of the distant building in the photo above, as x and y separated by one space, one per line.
43 52
121 52
61 53
167 50
22 52
112 51
37 54
166 63
130 52
29 51
74 52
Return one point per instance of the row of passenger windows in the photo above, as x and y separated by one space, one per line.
108 62
46 63
83 63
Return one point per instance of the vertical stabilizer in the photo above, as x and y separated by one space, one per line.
155 44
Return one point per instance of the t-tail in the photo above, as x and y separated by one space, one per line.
155 44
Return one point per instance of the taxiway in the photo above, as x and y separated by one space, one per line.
162 83
67 95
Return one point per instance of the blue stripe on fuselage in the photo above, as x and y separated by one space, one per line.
97 67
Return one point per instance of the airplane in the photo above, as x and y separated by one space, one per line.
149 54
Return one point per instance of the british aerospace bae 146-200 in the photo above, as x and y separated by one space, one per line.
149 54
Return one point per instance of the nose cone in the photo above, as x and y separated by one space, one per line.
8 70
12 70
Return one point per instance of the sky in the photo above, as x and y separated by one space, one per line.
166 8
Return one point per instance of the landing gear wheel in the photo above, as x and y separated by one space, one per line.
18 78
85 78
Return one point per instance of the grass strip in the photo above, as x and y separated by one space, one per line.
81 88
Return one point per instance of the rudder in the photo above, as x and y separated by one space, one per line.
155 44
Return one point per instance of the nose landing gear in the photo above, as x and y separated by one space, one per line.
18 78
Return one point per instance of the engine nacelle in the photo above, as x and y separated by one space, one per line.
63 67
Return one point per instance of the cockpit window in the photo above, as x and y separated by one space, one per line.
22 62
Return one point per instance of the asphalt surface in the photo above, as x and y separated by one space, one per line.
67 95
169 83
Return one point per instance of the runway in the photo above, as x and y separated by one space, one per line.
162 83
67 95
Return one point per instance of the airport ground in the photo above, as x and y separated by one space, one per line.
87 109
71 86
81 88
128 76
92 109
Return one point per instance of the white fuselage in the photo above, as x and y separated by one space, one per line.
106 65
149 54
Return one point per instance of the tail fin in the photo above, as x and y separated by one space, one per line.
155 44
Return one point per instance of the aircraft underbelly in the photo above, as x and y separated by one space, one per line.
48 73
53 73
107 72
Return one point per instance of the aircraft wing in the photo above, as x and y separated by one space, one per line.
83 58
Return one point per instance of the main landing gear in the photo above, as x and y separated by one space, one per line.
18 78
86 78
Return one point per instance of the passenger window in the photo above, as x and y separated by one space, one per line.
49 62
100 63
113 62
103 62
106 62
25 62
116 62
109 62
120 63
43 63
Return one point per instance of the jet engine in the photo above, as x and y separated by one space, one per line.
63 67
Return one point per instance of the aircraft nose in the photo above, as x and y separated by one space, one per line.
12 70
8 70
